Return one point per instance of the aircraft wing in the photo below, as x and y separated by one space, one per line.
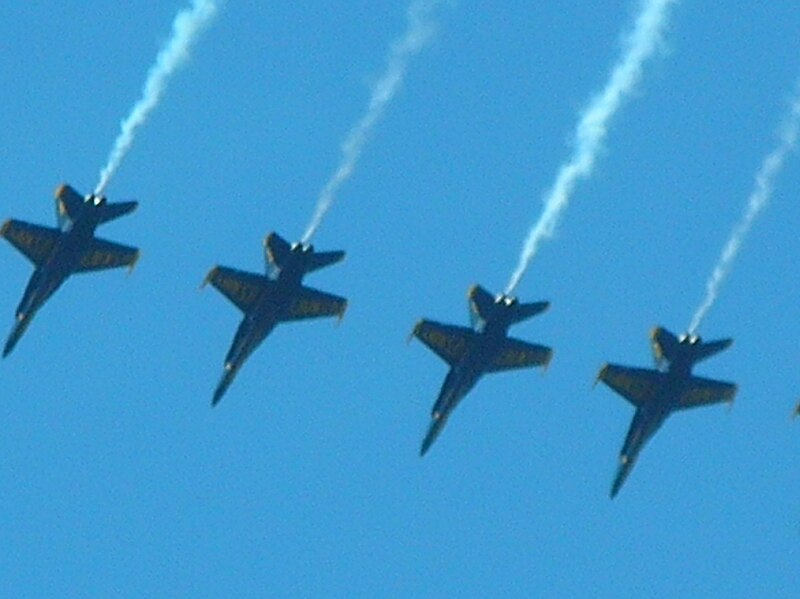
35 241
449 342
704 392
637 385
240 287
310 303
520 354
101 255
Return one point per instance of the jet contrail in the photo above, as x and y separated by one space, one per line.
418 32
187 25
764 185
593 126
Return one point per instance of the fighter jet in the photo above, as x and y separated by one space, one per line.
269 300
473 352
59 252
657 393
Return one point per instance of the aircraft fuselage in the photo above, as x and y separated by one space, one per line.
464 375
63 261
649 418
267 313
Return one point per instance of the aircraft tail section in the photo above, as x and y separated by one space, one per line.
319 260
68 204
666 346
113 211
278 250
279 253
529 310
482 304
706 350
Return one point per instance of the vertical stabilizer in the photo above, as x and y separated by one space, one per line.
277 251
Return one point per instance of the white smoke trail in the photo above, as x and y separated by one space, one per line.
188 23
593 126
418 32
762 191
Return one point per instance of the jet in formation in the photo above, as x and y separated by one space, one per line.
657 393
473 352
267 300
56 253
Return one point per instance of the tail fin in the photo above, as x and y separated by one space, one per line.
68 204
666 346
116 210
277 250
482 304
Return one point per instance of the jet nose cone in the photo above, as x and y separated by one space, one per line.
437 424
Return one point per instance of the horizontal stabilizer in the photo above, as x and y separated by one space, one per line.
638 385
311 303
110 212
319 260
242 288
706 350
35 241
520 354
449 342
526 311
101 255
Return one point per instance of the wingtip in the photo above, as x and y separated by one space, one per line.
547 362
340 315
413 332
5 227
600 375
135 262
210 274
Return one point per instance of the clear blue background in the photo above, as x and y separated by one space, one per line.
118 479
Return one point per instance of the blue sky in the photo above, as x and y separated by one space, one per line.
120 480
